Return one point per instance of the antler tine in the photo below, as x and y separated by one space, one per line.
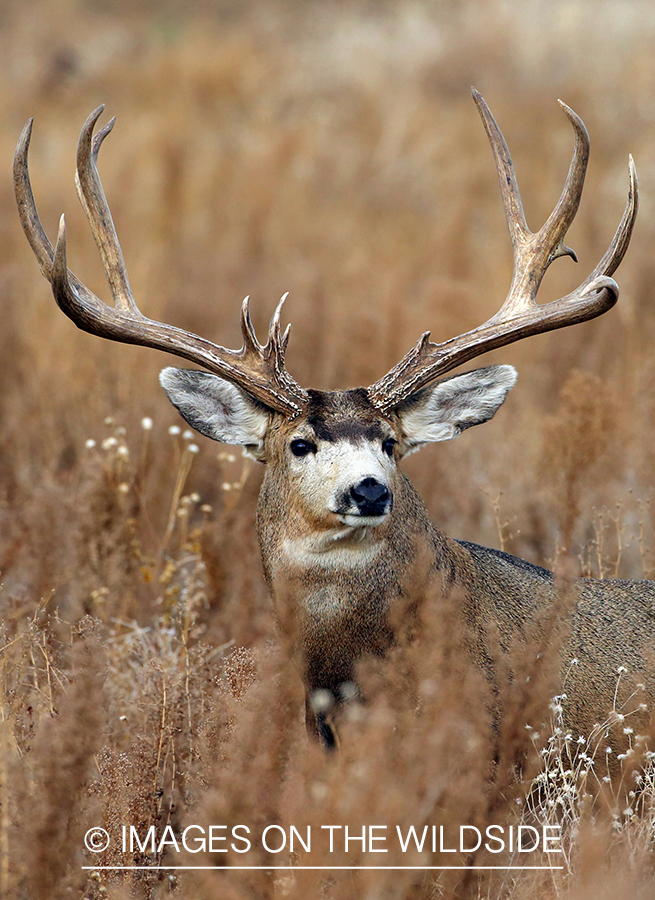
562 216
509 188
533 253
250 342
616 250
29 217
92 197
274 329
520 316
258 369
277 343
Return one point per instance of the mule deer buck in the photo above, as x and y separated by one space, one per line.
342 530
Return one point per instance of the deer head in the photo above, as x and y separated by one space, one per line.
338 451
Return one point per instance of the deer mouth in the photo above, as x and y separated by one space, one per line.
356 520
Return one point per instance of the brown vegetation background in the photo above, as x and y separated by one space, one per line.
331 150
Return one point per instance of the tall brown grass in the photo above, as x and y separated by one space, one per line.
331 150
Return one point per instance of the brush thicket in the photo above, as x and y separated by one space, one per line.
334 153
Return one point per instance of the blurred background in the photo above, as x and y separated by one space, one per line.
332 150
329 149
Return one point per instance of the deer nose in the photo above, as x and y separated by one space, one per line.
372 497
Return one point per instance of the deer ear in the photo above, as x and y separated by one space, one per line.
443 410
217 409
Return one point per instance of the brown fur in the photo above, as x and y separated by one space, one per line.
610 625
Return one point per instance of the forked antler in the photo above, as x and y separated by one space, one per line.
520 316
258 369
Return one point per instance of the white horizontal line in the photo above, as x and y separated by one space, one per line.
314 868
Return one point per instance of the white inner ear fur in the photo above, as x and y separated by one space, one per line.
216 408
444 410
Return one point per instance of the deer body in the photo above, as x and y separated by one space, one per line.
335 589
608 629
338 579
345 538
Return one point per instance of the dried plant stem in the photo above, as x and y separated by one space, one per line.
162 728
187 692
46 658
182 474
4 808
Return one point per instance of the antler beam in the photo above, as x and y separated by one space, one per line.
258 369
520 315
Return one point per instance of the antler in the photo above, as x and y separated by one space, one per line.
258 369
520 316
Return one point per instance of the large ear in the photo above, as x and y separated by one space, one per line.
216 408
443 410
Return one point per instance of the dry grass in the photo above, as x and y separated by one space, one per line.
331 150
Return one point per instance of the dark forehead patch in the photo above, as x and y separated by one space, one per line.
344 415
345 429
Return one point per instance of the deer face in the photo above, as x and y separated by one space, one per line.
338 460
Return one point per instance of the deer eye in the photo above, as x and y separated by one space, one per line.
388 445
302 448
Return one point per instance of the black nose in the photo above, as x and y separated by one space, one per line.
371 497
